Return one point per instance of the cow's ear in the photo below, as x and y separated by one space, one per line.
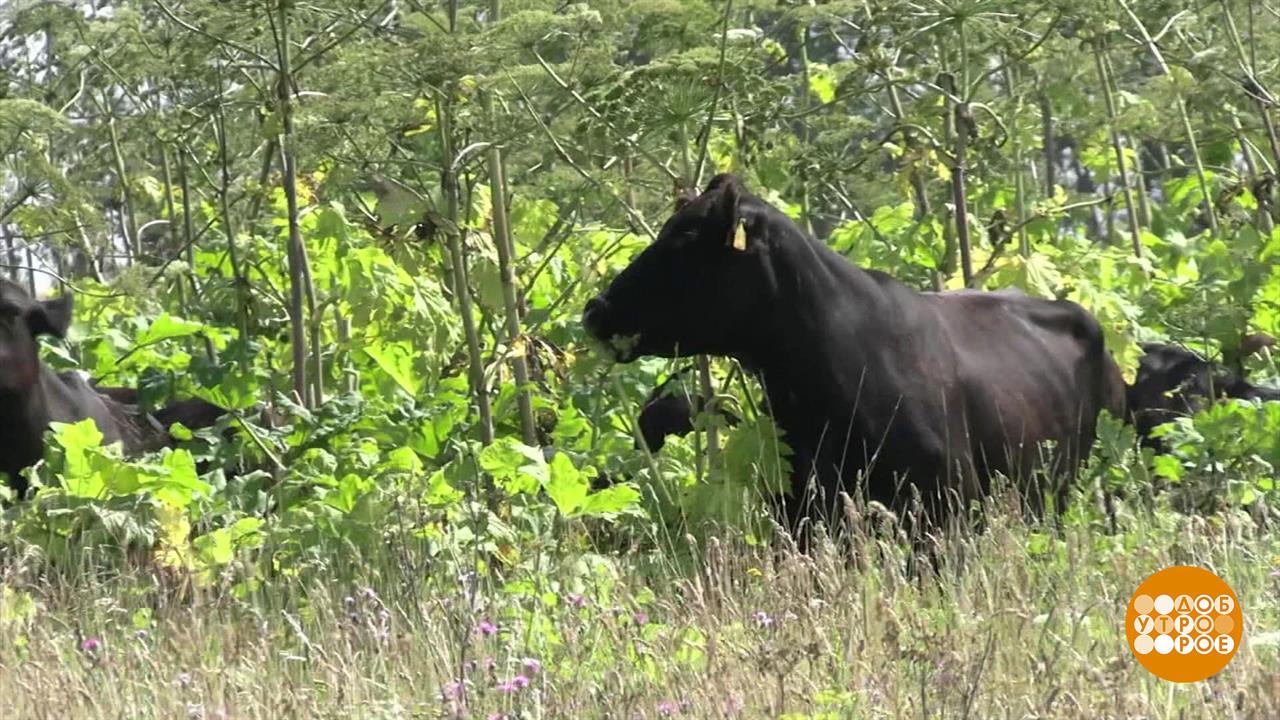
50 317
730 212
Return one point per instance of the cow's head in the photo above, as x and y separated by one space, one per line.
22 320
699 288
1175 382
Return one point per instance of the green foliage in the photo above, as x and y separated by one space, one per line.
144 159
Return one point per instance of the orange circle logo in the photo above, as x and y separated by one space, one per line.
1184 624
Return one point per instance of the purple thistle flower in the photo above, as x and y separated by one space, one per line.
498 716
531 666
666 708
453 690
487 628
515 684
641 618
577 600
91 645
762 618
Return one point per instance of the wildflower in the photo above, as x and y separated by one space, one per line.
762 618
348 601
515 684
141 635
1275 573
666 708
577 600
452 690
531 666
487 628
184 679
641 618
489 663
733 705
91 645
498 716
195 711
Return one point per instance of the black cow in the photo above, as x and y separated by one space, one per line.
192 413
1174 382
669 410
32 395
863 374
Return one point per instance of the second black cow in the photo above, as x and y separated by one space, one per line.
1173 382
32 395
670 410
866 377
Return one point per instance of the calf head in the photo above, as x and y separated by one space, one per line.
22 320
698 288
667 411
1173 382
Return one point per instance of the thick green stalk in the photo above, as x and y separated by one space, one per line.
172 230
126 193
1050 144
1019 176
704 363
308 393
1258 91
1251 164
1109 101
1140 185
458 260
919 190
505 242
1183 114
803 39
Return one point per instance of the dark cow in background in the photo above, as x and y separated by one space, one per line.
670 410
863 374
32 395
1173 382
192 413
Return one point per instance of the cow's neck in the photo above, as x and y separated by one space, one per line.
821 301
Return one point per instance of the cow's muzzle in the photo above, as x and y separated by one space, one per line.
593 318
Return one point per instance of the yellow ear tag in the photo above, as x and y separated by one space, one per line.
740 236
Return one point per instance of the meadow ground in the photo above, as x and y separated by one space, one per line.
1020 621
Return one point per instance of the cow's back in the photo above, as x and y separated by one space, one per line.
1030 371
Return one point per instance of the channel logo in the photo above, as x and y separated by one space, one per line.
1184 624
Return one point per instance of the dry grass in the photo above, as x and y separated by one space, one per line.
1018 622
